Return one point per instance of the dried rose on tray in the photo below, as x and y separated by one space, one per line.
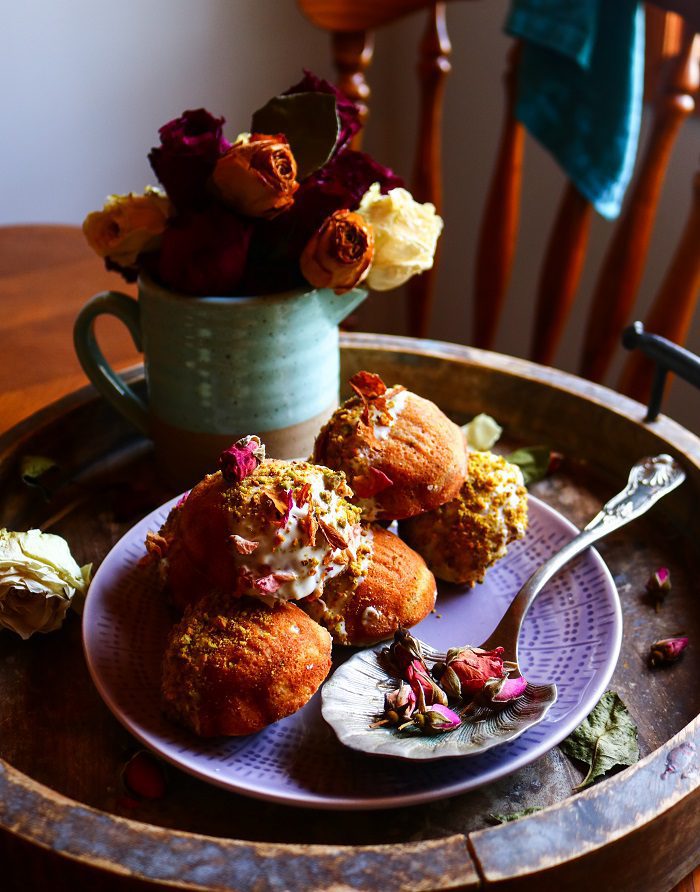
38 579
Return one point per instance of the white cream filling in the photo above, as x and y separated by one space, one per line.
394 405
287 550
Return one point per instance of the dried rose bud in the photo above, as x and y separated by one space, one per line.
437 719
241 459
659 585
505 689
257 175
555 462
339 253
448 680
399 705
667 651
403 650
474 666
425 689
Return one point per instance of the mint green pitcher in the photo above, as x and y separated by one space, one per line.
218 368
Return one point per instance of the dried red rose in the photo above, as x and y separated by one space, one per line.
241 459
467 669
257 176
338 255
144 776
190 146
203 253
367 485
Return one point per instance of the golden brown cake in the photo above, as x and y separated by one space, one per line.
234 666
388 586
401 454
277 534
463 538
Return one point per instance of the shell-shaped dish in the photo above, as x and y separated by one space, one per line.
353 699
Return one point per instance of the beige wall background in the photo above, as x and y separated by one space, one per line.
85 86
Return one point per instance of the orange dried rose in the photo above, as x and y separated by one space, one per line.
257 175
339 254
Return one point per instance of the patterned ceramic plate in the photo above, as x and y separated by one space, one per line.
571 637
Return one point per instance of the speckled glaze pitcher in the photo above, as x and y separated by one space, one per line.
218 368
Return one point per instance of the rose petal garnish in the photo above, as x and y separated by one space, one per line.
370 484
241 459
244 546
272 581
308 523
303 494
667 650
334 538
367 385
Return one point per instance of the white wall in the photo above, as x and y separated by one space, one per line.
85 86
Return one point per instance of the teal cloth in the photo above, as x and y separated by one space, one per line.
580 88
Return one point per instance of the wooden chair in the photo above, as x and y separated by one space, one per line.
351 24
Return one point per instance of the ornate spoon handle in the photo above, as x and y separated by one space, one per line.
649 480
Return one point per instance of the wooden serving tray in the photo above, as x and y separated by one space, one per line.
66 824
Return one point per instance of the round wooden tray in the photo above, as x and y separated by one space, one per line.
64 818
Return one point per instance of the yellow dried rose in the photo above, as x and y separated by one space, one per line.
38 579
405 236
128 225
257 175
339 253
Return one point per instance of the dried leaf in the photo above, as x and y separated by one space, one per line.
33 468
533 461
607 738
310 123
514 815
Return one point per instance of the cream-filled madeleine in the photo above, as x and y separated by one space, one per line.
400 453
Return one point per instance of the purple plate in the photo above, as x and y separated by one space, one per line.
571 637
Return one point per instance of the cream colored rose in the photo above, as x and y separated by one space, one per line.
405 236
38 579
128 225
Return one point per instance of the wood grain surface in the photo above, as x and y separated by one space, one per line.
63 817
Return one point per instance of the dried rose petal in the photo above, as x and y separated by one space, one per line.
272 581
367 485
308 524
303 495
144 776
244 546
667 650
367 385
182 499
241 459
156 547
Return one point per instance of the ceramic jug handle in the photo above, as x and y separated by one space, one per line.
113 388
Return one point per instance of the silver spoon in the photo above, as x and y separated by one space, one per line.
346 702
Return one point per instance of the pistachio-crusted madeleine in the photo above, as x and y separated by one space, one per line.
388 587
401 454
463 538
234 666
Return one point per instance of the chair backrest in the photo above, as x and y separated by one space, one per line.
351 24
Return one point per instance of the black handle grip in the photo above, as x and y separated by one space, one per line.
667 356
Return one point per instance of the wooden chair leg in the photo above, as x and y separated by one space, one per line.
672 311
433 68
622 269
561 273
352 56
499 223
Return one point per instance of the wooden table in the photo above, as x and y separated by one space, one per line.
46 274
